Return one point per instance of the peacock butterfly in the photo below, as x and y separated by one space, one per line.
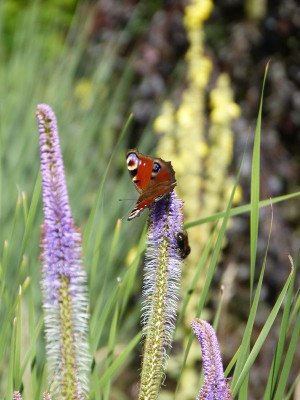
183 246
152 177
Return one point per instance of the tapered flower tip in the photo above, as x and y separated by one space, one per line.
215 385
45 110
17 395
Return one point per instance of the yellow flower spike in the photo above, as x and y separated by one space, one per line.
200 72
224 109
202 149
234 110
196 13
201 163
185 115
164 122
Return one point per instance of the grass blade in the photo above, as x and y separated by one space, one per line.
232 362
290 392
118 362
218 311
197 274
110 348
31 214
261 338
9 387
244 348
255 183
240 210
276 362
30 354
95 257
17 358
97 323
129 279
288 361
91 219
210 272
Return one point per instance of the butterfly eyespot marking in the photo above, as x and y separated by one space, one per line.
132 161
156 167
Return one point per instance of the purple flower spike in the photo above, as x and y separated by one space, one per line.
161 281
64 280
17 395
215 386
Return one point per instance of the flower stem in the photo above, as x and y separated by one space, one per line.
161 281
68 350
153 351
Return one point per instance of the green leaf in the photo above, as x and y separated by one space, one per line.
129 279
244 348
240 210
91 220
17 360
218 311
274 371
210 272
25 206
232 362
110 348
30 354
98 322
31 214
261 338
118 362
197 274
255 183
10 374
288 361
290 392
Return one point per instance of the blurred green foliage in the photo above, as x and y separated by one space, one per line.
55 13
48 56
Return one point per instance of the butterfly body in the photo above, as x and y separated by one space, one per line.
152 177
183 246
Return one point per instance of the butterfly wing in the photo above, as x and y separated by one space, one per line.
153 178
140 169
145 200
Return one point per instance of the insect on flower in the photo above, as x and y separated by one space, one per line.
183 246
153 178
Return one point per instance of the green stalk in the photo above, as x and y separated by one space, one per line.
69 380
153 362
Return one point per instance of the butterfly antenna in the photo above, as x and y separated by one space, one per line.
130 208
126 199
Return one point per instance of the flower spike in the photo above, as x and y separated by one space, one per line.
17 395
215 386
64 279
161 281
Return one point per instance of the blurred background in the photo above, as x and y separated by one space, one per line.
191 73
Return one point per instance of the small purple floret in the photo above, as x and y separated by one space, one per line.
215 386
17 395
